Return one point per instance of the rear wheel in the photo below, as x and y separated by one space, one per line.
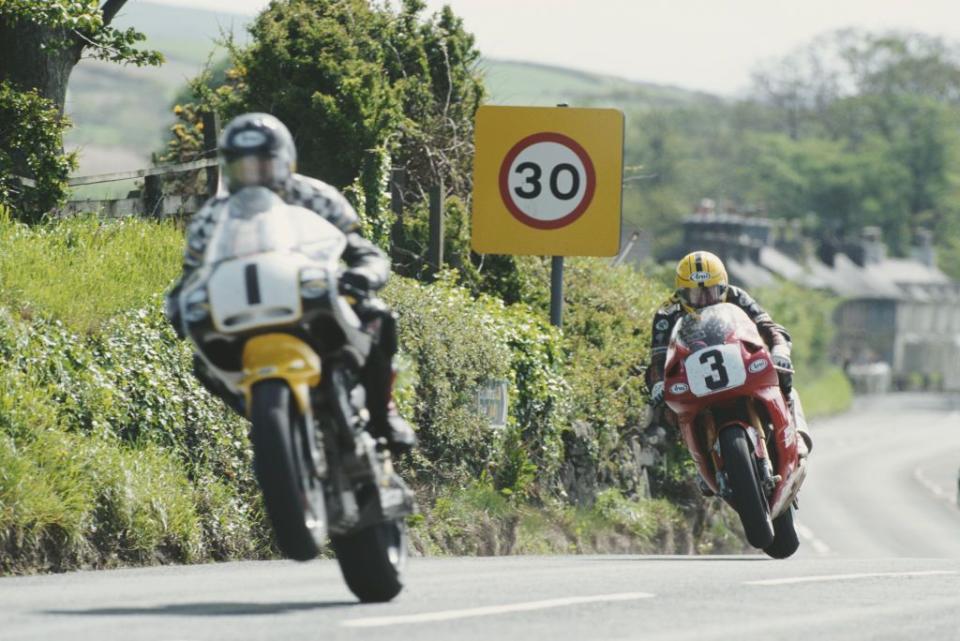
372 560
785 541
747 498
292 495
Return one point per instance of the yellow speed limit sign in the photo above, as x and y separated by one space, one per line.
547 181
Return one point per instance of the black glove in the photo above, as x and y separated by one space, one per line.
353 283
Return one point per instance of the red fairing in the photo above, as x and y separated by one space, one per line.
717 368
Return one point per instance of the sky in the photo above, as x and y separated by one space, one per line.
711 45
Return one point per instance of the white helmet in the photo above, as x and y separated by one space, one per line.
256 149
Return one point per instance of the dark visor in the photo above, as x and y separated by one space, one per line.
698 297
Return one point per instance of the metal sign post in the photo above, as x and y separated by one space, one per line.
556 291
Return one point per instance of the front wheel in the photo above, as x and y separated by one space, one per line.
292 495
747 498
372 560
785 541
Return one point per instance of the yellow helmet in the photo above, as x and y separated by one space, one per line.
701 280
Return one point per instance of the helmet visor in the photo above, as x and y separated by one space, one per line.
249 171
698 297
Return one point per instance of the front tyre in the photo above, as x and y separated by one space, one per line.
292 495
747 498
372 560
785 540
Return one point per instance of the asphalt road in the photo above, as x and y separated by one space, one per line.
881 560
883 481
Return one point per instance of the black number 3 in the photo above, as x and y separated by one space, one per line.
722 379
533 180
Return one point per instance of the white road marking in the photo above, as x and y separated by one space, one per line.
807 535
448 615
845 577
934 488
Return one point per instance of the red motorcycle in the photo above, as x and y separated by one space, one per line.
722 384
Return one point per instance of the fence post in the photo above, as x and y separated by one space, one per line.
211 132
153 196
435 250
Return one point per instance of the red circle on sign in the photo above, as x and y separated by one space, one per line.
572 145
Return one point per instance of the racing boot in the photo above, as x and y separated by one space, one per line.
385 420
400 436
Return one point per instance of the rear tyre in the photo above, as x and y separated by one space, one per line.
292 495
747 498
785 540
372 560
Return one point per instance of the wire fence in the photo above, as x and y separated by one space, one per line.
150 200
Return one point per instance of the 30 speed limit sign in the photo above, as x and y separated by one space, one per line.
547 181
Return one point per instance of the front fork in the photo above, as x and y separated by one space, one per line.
758 437
286 357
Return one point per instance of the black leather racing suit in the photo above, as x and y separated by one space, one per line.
668 315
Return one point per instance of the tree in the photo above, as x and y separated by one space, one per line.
364 89
874 117
40 43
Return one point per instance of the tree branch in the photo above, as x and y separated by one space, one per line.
110 9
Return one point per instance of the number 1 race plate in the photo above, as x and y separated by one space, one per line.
715 369
547 181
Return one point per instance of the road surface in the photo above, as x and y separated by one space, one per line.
880 559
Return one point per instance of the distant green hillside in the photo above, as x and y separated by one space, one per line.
121 114
525 83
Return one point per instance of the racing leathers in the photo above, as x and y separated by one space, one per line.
774 335
367 271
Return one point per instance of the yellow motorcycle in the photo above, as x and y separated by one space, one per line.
266 316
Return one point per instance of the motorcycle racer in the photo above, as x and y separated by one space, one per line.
700 281
257 149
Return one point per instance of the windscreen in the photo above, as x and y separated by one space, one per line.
710 326
257 221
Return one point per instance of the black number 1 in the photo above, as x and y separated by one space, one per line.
722 379
252 283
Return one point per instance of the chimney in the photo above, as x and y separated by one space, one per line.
922 250
874 249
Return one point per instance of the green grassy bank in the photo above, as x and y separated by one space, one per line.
111 454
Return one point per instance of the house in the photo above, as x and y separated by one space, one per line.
904 312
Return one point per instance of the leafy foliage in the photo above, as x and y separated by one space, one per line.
31 130
119 266
39 45
81 23
455 344
112 452
854 129
387 90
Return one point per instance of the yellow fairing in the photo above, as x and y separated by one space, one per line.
281 356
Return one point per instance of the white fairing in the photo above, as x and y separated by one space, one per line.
715 369
254 261
254 292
